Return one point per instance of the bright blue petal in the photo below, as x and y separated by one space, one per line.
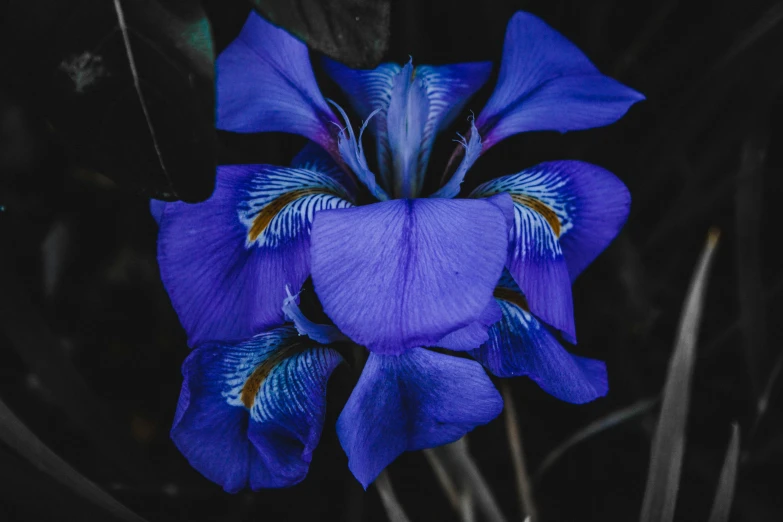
226 262
591 205
251 414
535 257
417 400
265 84
547 83
405 273
521 346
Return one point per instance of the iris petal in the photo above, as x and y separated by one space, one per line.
226 262
587 203
251 414
417 400
404 273
265 83
427 100
535 257
475 334
520 345
547 83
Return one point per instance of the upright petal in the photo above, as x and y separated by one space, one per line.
520 345
226 261
535 257
369 90
251 414
590 204
417 400
265 84
405 273
547 83
424 102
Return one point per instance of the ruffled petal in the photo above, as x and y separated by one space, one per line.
535 257
320 333
547 83
265 84
475 334
472 146
591 205
251 414
520 345
405 273
226 261
417 400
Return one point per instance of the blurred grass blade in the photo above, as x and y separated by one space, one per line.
458 463
524 486
668 444
389 499
728 475
14 433
604 423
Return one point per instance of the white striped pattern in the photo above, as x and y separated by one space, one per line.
295 218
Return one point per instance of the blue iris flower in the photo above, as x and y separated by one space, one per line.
487 273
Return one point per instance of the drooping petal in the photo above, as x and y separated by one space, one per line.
226 262
405 273
520 345
590 204
251 414
475 334
265 83
417 400
547 83
314 157
535 257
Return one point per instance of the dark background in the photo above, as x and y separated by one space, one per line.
90 348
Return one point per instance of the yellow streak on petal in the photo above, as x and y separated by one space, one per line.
541 208
256 379
267 214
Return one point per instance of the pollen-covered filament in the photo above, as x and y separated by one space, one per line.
268 213
540 207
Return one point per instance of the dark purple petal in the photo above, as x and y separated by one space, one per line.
251 414
226 262
590 203
417 400
265 84
547 83
475 334
405 273
519 345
